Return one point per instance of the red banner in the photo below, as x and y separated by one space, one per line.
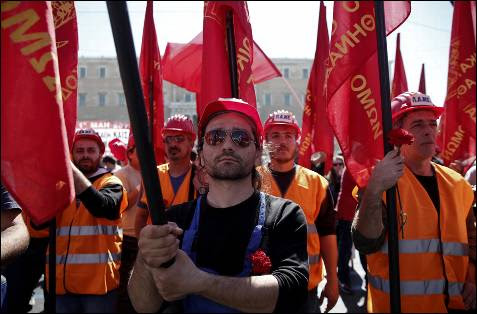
150 69
353 86
66 30
399 84
317 134
215 60
422 81
35 159
457 137
182 65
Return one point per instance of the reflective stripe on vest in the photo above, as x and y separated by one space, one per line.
89 230
101 258
418 287
429 246
314 259
311 228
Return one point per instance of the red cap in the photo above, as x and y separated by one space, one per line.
231 104
89 134
412 101
282 117
179 123
118 149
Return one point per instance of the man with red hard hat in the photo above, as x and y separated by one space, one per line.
437 266
310 190
176 176
235 248
88 235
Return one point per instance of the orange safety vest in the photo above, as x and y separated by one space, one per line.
307 189
434 247
34 233
171 198
88 249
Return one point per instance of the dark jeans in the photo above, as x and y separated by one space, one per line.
345 244
23 275
87 303
128 257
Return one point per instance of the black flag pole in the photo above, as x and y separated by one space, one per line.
128 68
393 246
232 54
51 296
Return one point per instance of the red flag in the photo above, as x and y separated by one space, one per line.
472 11
422 81
150 68
317 134
66 30
215 61
182 65
399 84
353 87
457 137
35 156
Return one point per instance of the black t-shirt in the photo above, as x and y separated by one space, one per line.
224 234
8 202
430 185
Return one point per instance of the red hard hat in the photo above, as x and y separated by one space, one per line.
179 123
231 104
412 101
282 117
89 134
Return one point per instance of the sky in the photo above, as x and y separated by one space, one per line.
283 29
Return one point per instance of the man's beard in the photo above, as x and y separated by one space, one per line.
280 158
174 157
232 171
87 168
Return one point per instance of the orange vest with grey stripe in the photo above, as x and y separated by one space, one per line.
171 198
434 247
88 249
307 189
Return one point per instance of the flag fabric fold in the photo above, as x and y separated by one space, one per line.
422 81
353 86
215 80
66 31
34 146
317 134
150 69
457 129
399 84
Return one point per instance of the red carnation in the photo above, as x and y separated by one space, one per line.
261 263
399 137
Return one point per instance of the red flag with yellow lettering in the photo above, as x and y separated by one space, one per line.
353 87
35 155
399 84
150 68
457 137
215 62
66 30
317 134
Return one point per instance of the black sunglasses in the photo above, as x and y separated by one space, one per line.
176 138
337 164
239 137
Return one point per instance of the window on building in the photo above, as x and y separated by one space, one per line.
287 99
101 99
267 99
82 72
102 72
82 99
305 73
121 100
188 97
178 97
286 73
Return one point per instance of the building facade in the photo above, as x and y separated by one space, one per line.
101 95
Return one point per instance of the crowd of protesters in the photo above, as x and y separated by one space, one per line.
245 236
